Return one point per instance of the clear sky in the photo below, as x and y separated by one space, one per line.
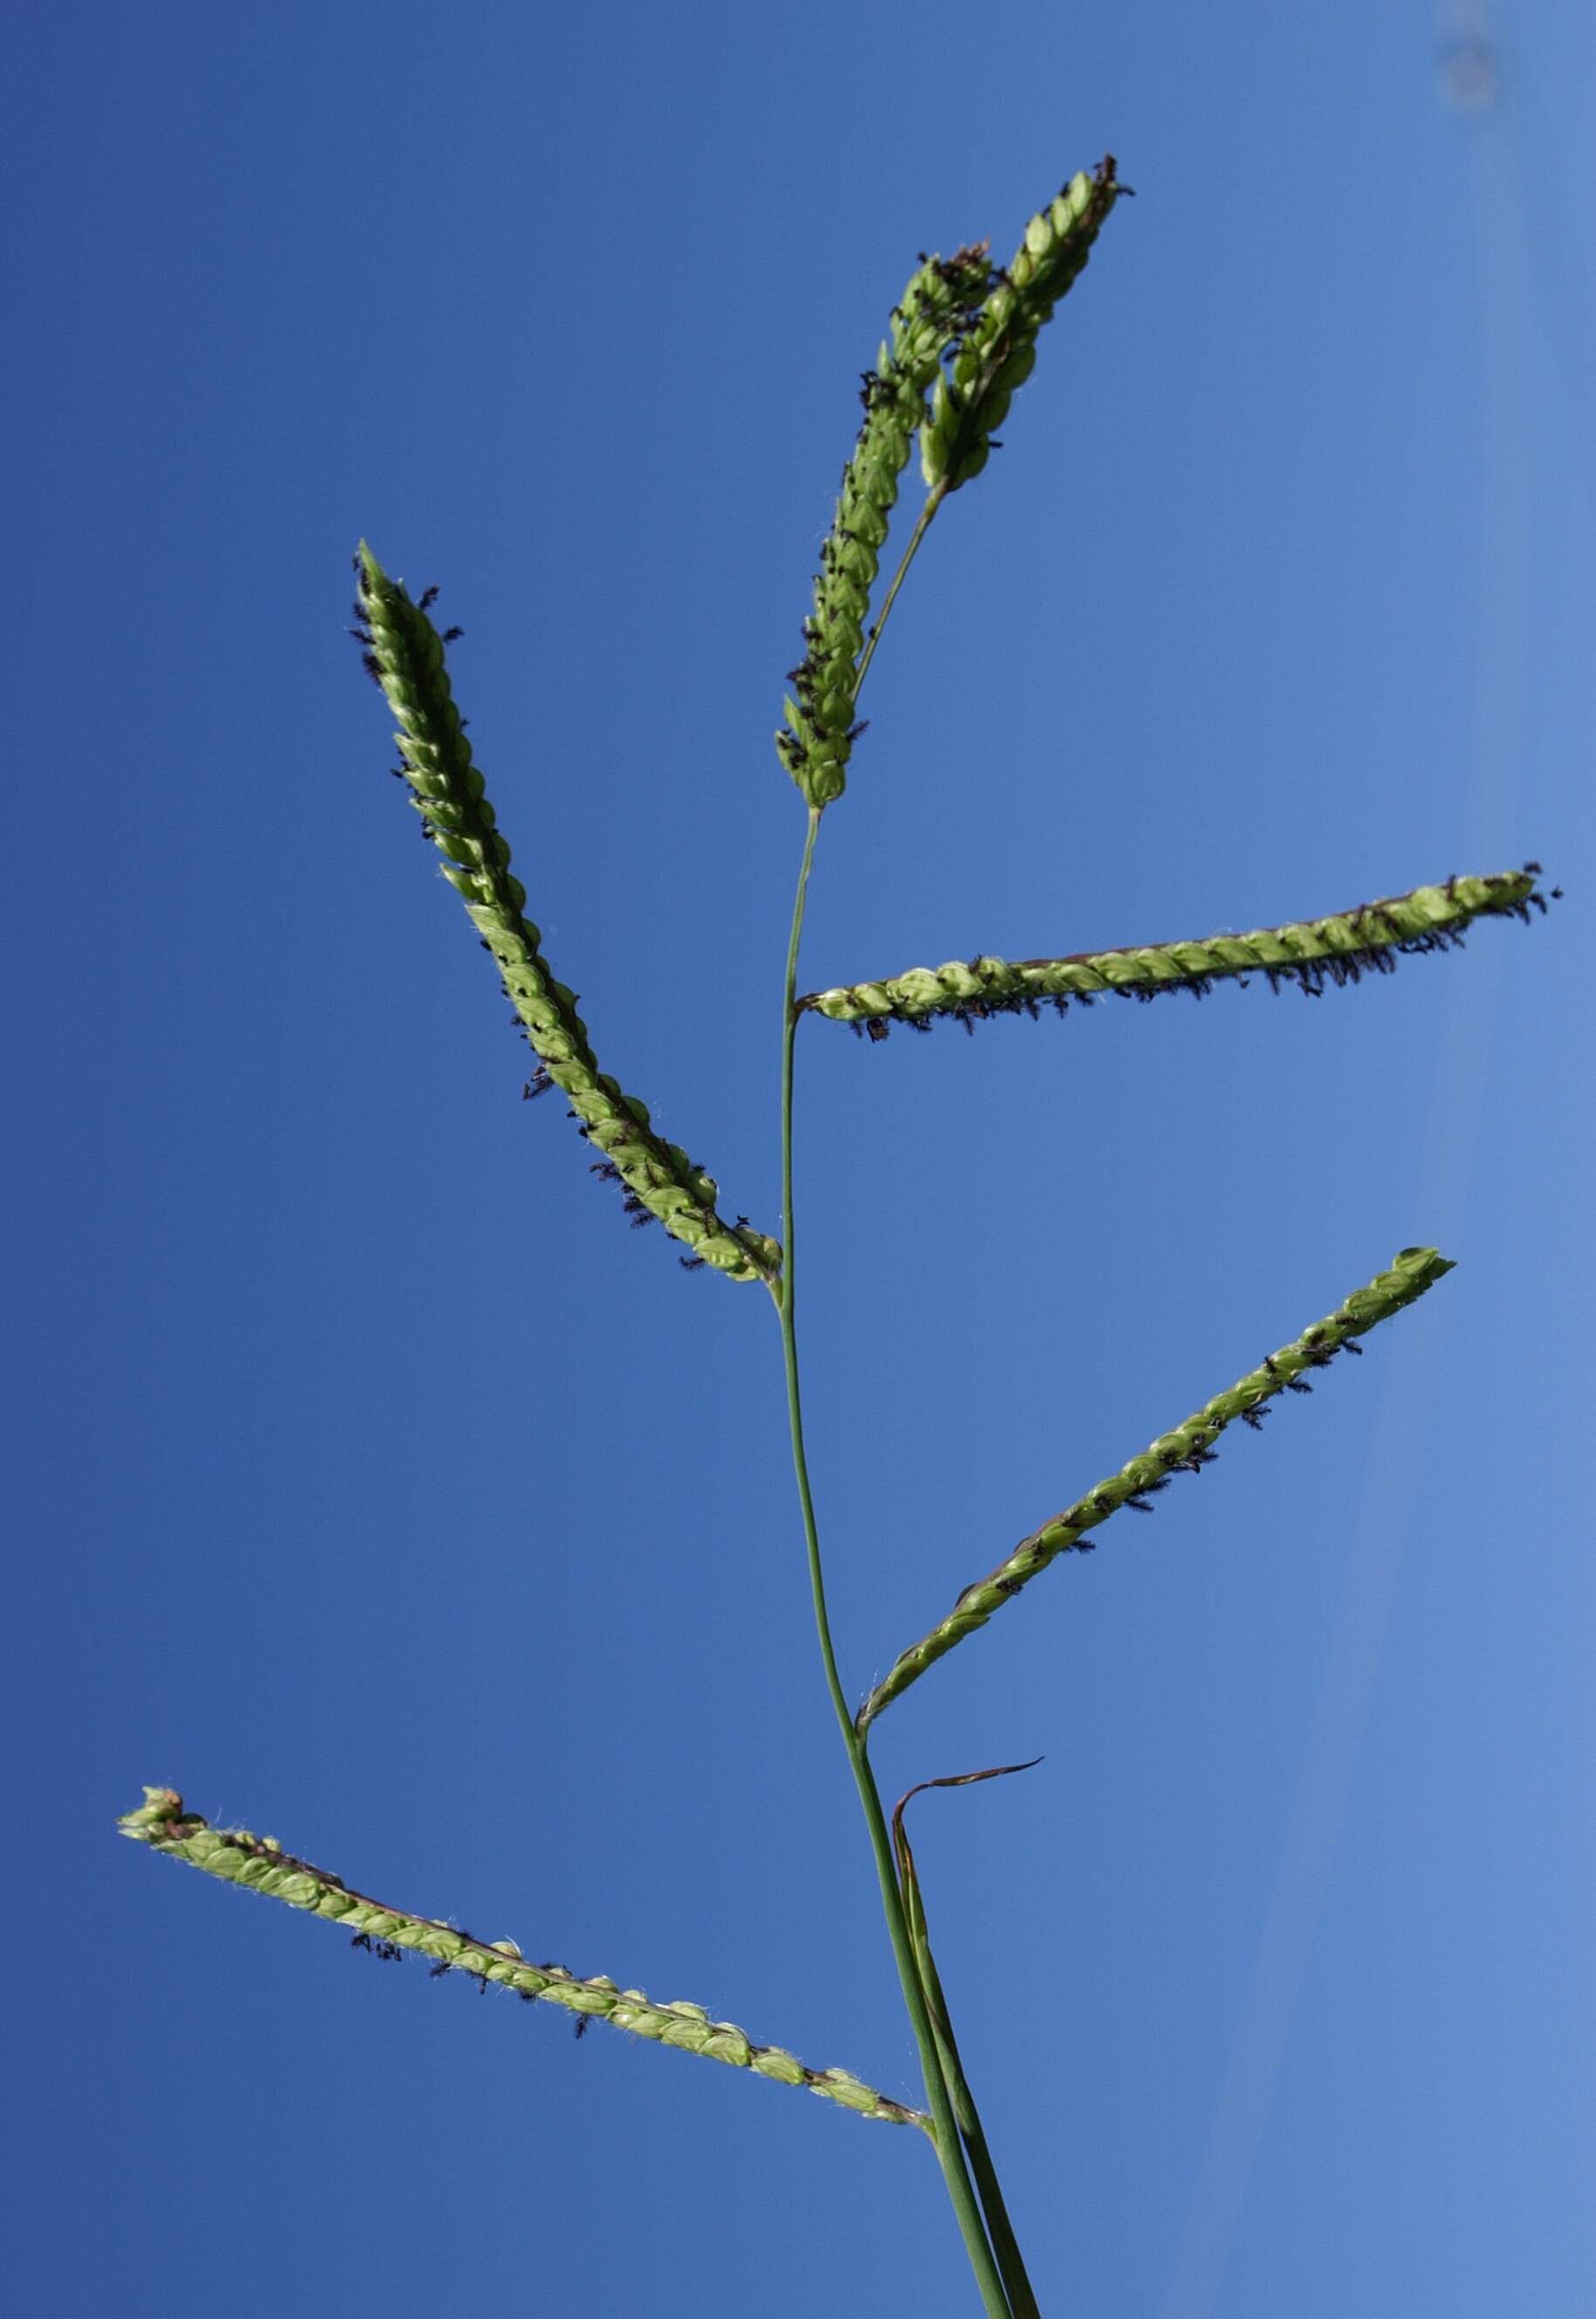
376 1487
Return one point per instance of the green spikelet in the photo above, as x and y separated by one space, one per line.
407 656
1189 1446
998 352
260 1864
937 305
1333 951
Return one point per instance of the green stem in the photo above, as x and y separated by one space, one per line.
950 2154
934 500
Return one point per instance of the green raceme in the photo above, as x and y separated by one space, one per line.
1186 1449
1317 954
998 352
258 1864
406 654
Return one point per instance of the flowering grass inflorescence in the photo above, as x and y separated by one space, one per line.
962 340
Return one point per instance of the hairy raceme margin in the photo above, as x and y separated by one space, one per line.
961 340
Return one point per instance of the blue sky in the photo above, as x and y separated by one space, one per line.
377 1489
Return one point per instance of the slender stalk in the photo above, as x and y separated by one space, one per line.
934 500
950 2154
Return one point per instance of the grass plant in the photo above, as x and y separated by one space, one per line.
961 341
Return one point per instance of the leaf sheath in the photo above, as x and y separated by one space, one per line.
261 1866
1185 1449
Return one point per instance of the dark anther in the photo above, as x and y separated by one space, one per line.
1255 1417
876 1028
451 636
1138 1504
373 666
1298 1384
1348 1345
360 1941
584 2022
426 598
692 1263
438 1971
539 1084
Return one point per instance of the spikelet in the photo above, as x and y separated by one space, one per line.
998 352
260 1864
1321 954
1186 1449
937 305
406 655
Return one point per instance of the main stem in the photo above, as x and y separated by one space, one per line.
950 2154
